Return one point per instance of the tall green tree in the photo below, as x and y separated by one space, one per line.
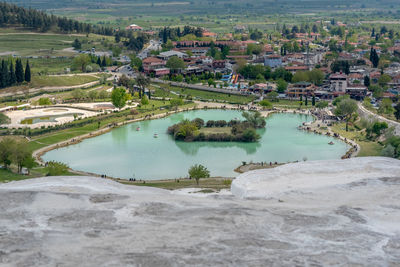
4 80
2 77
142 81
21 153
27 72
77 44
13 78
19 71
397 111
175 63
374 57
7 146
118 97
345 109
367 81
198 171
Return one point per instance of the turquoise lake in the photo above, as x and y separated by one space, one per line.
127 153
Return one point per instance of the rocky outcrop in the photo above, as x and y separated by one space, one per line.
86 221
312 176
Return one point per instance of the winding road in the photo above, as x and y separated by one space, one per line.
366 113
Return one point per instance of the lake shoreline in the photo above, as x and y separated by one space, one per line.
265 113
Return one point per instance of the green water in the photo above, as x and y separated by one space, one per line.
126 153
50 118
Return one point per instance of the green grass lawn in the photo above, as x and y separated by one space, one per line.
368 148
50 65
11 175
213 184
25 43
202 95
41 81
216 130
53 81
285 103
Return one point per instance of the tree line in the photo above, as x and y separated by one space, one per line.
10 75
11 14
17 152
168 33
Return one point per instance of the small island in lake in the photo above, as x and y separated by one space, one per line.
198 130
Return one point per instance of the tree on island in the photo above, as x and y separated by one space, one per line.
255 119
345 109
118 97
198 171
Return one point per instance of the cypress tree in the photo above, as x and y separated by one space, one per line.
4 70
367 81
13 78
2 82
104 62
306 102
27 72
99 61
19 71
313 101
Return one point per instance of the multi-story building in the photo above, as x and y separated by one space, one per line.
299 89
273 61
338 82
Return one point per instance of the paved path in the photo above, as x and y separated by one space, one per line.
366 113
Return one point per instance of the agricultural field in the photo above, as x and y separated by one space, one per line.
219 16
28 44
23 42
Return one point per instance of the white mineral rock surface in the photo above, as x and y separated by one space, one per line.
307 214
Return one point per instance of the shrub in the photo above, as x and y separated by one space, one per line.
44 101
54 168
145 100
4 119
199 122
265 104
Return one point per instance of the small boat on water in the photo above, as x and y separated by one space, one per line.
331 143
138 129
155 135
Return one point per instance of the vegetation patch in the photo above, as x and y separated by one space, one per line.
219 131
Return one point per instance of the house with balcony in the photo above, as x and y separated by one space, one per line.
300 89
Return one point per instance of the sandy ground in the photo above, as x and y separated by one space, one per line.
17 116
85 221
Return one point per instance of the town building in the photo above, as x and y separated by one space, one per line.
300 89
273 61
134 27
